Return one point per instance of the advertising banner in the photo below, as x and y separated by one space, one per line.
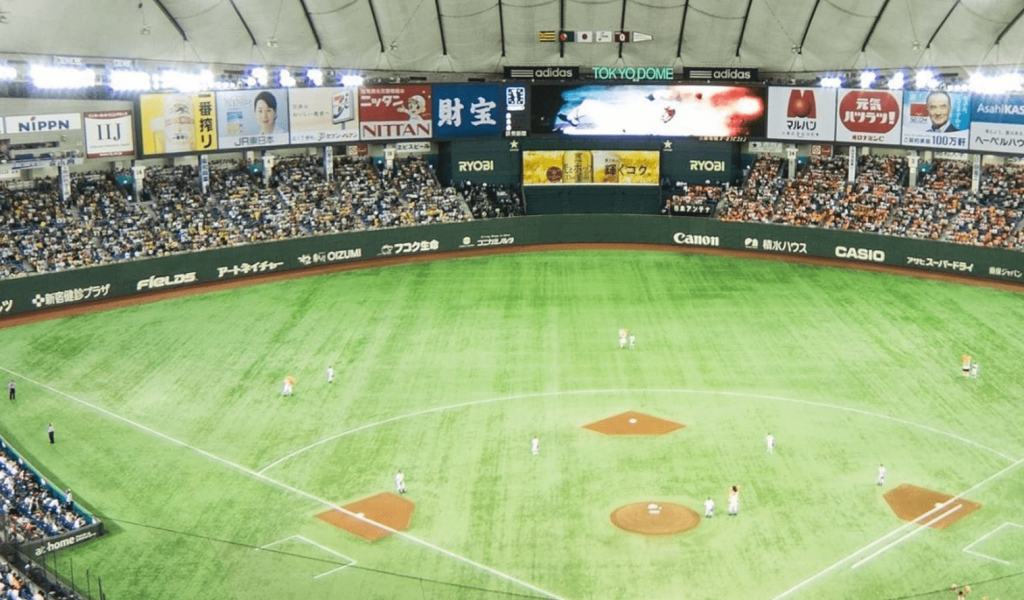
997 124
109 134
467 110
178 123
43 123
657 110
936 119
395 112
869 117
541 73
620 167
802 114
252 118
323 115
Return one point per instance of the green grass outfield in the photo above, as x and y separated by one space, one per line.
170 426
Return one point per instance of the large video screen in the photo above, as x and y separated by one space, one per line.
649 110
619 167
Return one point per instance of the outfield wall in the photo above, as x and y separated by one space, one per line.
40 292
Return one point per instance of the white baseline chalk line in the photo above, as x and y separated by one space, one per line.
899 529
968 547
284 486
870 557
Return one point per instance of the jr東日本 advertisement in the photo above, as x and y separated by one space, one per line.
395 112
869 117
621 167
109 134
997 123
936 119
467 110
252 118
323 115
178 123
802 113
642 110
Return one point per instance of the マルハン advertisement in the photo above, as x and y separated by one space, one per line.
869 117
395 112
473 110
807 114
997 124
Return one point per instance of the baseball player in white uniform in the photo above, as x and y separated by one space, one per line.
400 482
709 508
330 374
769 441
622 338
734 500
881 474
632 342
286 389
535 446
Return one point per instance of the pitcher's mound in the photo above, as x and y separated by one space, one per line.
634 423
910 502
385 508
655 518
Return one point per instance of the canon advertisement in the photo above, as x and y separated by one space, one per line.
997 124
869 117
649 110
805 114
936 119
468 110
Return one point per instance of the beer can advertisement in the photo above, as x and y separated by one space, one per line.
323 115
649 110
582 167
177 123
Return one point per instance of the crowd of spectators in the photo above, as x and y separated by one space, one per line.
33 511
102 221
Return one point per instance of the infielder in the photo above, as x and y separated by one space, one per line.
535 446
709 508
881 474
286 390
975 367
632 342
622 338
400 482
734 500
770 442
330 374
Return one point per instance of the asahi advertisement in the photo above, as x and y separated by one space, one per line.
801 113
997 124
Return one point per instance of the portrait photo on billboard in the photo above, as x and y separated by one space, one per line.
648 110
936 119
250 118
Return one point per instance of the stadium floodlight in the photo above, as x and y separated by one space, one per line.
925 79
183 82
832 81
57 78
897 81
8 73
285 78
351 80
124 80
995 84
260 75
315 76
867 78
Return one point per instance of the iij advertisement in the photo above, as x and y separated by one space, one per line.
323 115
252 118
178 123
658 110
621 167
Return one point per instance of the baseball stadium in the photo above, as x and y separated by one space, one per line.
488 300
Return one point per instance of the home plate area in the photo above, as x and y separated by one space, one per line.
634 423
385 508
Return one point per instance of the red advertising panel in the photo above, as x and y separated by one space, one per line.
869 117
395 112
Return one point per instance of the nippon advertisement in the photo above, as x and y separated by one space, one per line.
323 115
468 110
617 167
869 117
43 123
109 134
395 112
807 114
252 118
178 123
997 123
707 111
936 119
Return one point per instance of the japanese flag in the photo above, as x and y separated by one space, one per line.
584 36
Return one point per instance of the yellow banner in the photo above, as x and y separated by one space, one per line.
178 123
617 167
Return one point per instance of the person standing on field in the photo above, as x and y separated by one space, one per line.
770 442
11 389
881 474
400 482
330 374
49 433
535 446
709 508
